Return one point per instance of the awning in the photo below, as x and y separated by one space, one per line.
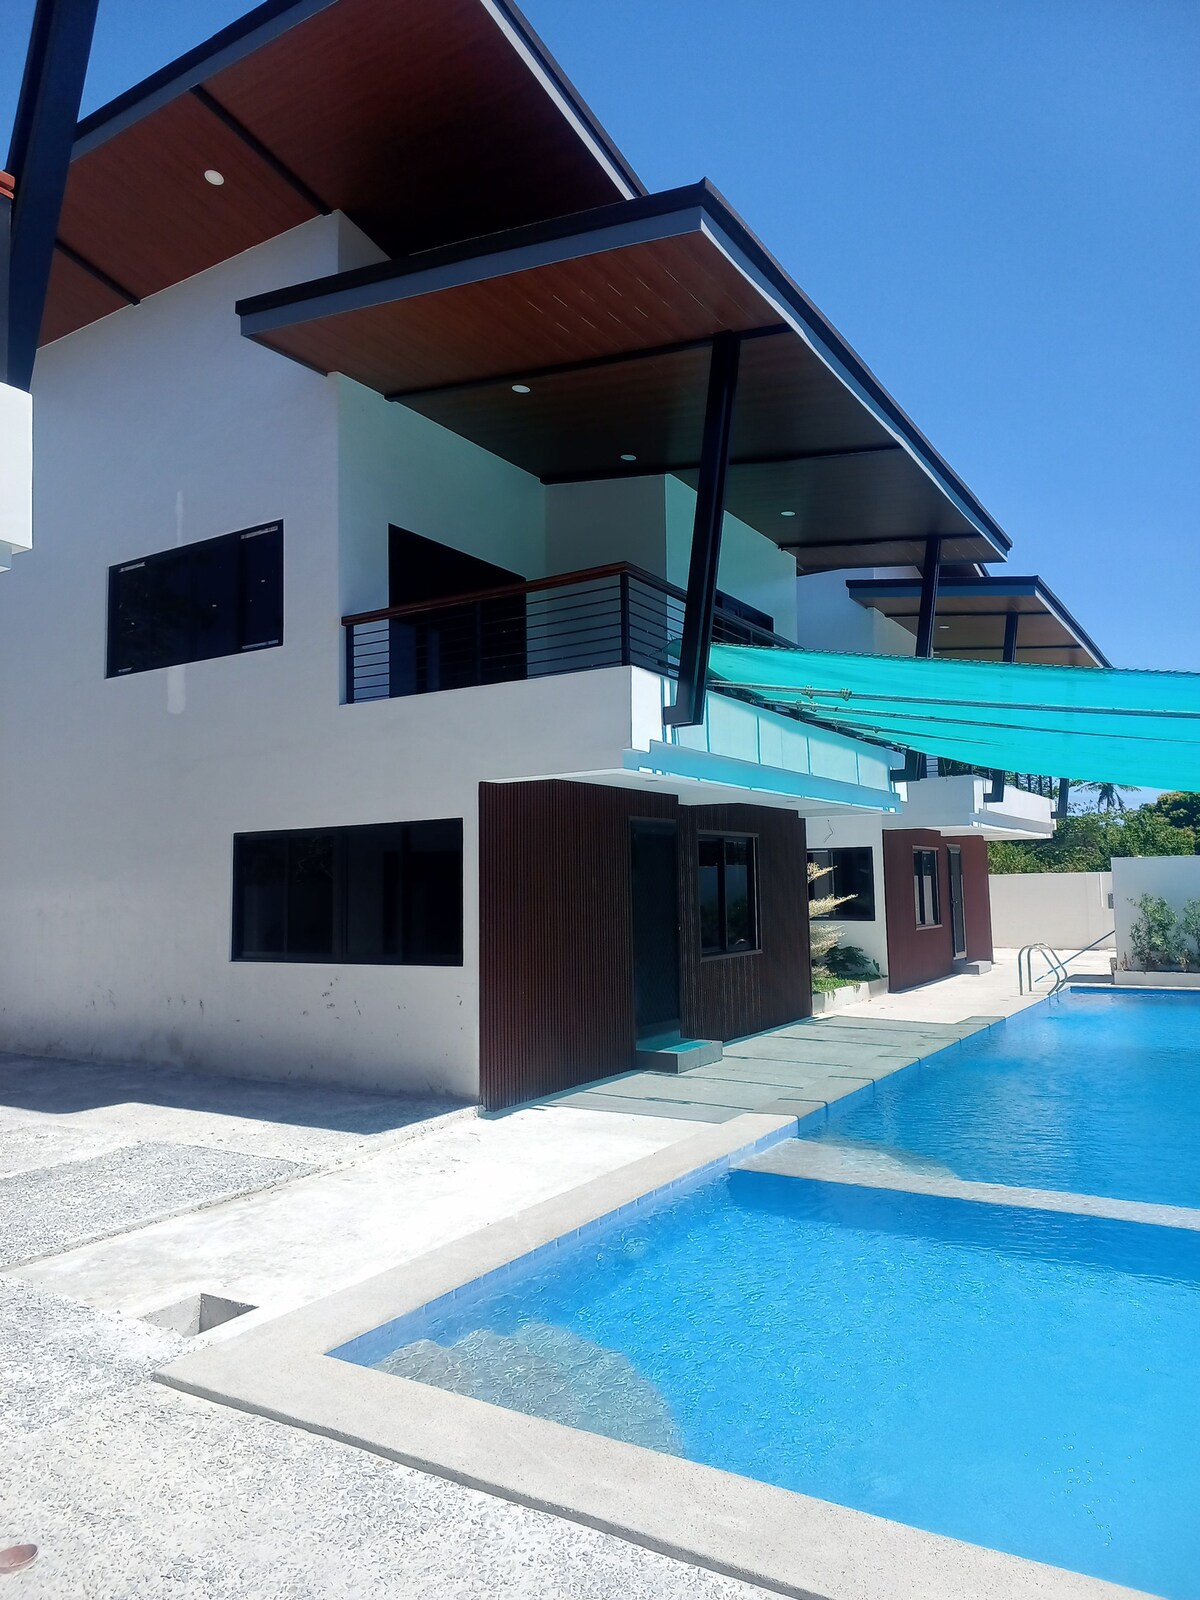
579 349
978 615
1103 726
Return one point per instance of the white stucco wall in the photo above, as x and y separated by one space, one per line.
827 618
159 426
1066 910
1175 878
848 832
16 472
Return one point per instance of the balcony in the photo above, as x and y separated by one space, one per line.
612 616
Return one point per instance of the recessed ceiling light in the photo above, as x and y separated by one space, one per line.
211 175
626 456
944 626
787 513
520 388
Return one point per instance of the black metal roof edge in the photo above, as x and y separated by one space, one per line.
1015 585
274 17
568 226
845 352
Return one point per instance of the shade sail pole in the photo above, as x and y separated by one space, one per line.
39 158
1012 623
688 710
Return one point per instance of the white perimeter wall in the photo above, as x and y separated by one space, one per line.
1066 910
827 618
1175 878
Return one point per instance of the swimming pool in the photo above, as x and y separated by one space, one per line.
1089 1092
1023 1380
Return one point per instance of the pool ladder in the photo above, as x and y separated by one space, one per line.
1056 965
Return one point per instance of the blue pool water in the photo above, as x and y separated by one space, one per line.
1093 1093
1024 1380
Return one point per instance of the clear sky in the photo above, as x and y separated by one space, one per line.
996 201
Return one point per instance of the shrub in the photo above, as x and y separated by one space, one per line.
848 961
1157 939
1189 923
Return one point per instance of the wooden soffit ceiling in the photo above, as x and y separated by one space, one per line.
580 349
424 121
972 614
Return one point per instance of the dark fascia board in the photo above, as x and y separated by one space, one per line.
690 209
866 590
274 17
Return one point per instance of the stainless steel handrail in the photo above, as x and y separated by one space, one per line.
1055 962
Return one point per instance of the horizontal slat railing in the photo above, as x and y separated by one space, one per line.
616 615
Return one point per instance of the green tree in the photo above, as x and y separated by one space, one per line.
1181 810
1108 797
1088 842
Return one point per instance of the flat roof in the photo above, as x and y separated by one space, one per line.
972 613
424 121
605 321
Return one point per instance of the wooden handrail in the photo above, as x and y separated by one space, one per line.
561 580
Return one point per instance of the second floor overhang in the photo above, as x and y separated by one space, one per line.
580 349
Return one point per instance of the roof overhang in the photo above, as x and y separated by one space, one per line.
424 121
973 612
605 321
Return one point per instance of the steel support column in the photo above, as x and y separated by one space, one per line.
39 159
931 574
688 710
1012 623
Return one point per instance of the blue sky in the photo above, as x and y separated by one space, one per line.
996 201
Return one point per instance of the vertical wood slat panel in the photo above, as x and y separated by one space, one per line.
726 997
556 939
556 946
977 898
915 954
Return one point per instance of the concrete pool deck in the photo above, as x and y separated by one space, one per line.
131 1489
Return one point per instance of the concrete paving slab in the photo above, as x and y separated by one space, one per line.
821 1052
155 1495
124 1103
51 1209
58 1356
627 1105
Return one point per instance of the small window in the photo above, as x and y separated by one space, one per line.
390 894
215 598
728 895
925 886
850 873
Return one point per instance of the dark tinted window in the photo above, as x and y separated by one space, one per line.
849 872
391 893
215 598
728 895
925 888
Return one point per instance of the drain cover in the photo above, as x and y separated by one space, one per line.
16 1557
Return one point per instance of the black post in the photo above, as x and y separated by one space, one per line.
1064 798
1011 623
626 646
930 574
39 159
688 710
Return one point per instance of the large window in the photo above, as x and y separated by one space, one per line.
386 894
728 887
850 873
925 888
215 598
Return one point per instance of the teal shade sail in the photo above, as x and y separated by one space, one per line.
1099 725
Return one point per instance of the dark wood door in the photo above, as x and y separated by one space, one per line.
654 903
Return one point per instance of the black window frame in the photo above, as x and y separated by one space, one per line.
723 950
340 952
926 871
247 620
831 882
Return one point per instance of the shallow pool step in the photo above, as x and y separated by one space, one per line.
679 1055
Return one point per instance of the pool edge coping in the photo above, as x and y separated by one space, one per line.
781 1540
